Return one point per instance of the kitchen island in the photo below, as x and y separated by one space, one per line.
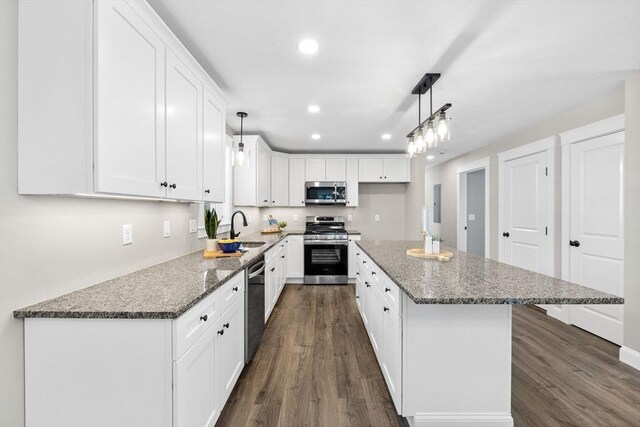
442 330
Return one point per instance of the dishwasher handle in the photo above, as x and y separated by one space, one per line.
256 270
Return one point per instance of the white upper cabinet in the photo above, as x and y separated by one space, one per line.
352 182
296 182
184 132
129 148
335 170
315 170
133 119
252 182
213 151
388 169
264 176
279 180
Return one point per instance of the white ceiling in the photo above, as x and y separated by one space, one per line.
505 65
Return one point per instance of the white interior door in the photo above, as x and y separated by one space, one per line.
597 230
525 237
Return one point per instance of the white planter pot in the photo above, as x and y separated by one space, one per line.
436 246
212 245
428 244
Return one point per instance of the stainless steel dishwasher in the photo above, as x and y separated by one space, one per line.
254 307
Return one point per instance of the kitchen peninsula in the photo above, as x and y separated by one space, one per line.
442 330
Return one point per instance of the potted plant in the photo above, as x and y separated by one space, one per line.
282 224
436 244
211 224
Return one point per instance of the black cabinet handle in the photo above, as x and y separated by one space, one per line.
368 285
357 297
273 269
385 177
204 317
266 201
506 234
282 256
164 184
357 273
364 262
226 325
273 201
172 186
574 243
386 309
207 191
387 290
380 177
373 273
221 332
235 289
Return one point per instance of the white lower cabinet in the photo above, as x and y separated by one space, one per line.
392 353
196 391
295 257
352 255
231 338
276 265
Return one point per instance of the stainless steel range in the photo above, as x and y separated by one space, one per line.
326 248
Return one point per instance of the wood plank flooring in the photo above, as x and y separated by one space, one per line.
316 367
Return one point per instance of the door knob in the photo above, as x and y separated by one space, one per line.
505 234
574 243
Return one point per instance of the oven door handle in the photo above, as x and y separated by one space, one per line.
326 242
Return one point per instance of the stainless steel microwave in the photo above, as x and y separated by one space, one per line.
326 192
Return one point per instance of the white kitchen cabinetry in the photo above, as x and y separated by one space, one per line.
213 172
275 275
353 250
388 169
231 333
295 257
352 182
132 119
183 131
297 180
315 169
279 180
252 182
392 352
335 169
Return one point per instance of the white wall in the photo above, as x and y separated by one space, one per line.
386 200
415 199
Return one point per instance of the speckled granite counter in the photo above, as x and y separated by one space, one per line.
163 291
470 279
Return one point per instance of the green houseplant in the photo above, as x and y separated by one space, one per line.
211 224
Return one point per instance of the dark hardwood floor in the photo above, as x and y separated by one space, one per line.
316 367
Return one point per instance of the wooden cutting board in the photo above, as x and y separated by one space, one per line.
219 254
419 253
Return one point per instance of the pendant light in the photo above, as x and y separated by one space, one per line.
433 130
240 156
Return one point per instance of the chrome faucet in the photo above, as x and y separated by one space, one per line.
232 233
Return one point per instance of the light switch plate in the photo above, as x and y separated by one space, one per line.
376 217
295 218
264 217
193 226
472 217
349 218
167 229
127 234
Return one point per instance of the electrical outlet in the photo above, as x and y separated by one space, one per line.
376 217
295 218
349 218
265 217
193 226
127 234
167 229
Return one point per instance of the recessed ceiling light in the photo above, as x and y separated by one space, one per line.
386 136
430 157
313 108
308 46
315 136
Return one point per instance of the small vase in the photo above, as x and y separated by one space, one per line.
428 244
212 245
436 246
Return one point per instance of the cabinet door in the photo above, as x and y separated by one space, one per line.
392 354
213 134
370 170
376 321
352 259
184 132
279 181
129 96
352 182
295 257
264 177
396 170
196 384
269 288
315 170
335 170
296 182
231 332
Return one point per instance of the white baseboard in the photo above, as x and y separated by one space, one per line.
630 357
295 280
461 419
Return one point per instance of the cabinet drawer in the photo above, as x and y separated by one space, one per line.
231 291
194 323
391 292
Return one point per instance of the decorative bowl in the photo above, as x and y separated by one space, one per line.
229 245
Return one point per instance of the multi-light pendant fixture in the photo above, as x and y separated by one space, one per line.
240 157
433 130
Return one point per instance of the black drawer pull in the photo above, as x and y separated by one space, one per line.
386 309
387 290
226 325
506 234
575 243
273 269
172 186
373 272
221 332
204 317
164 184
235 289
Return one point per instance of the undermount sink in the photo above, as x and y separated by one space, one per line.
253 244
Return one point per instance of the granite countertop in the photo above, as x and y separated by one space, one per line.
471 279
163 291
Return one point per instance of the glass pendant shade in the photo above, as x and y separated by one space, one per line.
240 158
411 148
420 143
443 128
430 136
